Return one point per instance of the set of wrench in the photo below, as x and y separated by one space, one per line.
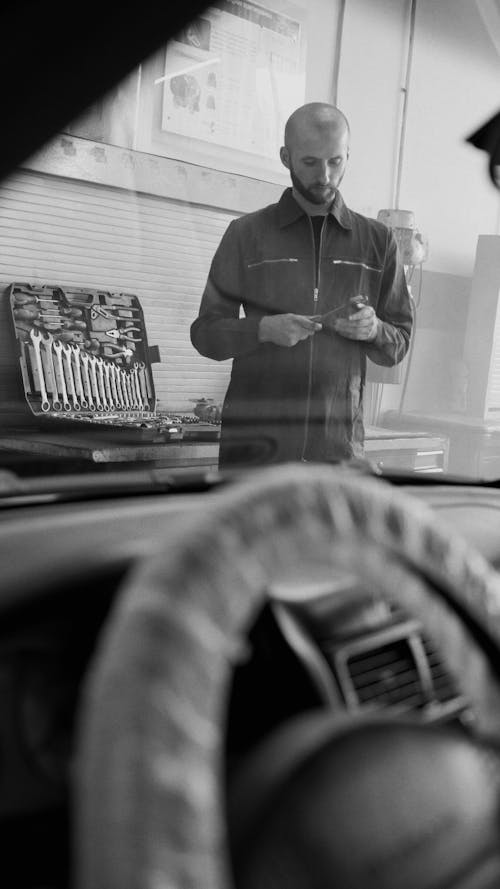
84 354
69 379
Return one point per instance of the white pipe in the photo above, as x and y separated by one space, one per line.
338 50
405 90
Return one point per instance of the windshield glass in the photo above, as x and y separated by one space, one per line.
271 241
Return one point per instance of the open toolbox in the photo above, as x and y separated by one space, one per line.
85 359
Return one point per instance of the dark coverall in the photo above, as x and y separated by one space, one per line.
304 402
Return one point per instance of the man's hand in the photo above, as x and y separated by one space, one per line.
286 330
362 325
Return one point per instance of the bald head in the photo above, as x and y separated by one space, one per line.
317 116
315 152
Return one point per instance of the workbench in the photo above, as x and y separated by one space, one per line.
388 448
74 447
474 442
396 448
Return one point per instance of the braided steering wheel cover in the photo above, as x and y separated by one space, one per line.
149 766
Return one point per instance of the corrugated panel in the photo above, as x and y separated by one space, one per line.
73 233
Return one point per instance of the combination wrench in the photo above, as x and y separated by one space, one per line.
51 378
58 349
112 383
131 381
131 393
145 384
36 338
135 377
142 383
118 384
130 390
107 385
68 355
95 385
100 381
125 388
24 365
87 385
77 374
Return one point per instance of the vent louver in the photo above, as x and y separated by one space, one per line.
387 677
397 669
444 686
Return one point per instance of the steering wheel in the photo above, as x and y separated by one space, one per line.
150 805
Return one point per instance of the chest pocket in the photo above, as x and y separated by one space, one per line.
278 284
257 263
351 276
358 263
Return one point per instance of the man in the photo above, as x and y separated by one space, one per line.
296 389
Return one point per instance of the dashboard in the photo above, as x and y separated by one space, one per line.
324 641
45 545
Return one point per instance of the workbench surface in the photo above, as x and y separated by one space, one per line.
97 449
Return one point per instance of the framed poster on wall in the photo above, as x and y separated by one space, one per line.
233 76
221 92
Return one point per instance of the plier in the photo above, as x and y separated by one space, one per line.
123 334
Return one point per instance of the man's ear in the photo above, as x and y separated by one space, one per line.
285 156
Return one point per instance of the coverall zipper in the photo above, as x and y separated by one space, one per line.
317 276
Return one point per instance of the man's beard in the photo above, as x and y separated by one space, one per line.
322 196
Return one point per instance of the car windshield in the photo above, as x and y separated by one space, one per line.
273 240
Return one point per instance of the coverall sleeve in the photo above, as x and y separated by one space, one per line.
219 332
394 311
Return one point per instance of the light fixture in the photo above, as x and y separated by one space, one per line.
412 244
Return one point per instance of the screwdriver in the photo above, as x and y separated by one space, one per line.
72 312
68 336
25 300
33 314
64 323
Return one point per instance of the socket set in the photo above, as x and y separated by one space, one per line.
85 359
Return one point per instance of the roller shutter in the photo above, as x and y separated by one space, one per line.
75 233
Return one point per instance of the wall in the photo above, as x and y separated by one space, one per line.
454 87
371 69
322 29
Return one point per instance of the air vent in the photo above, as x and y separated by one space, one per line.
387 677
396 669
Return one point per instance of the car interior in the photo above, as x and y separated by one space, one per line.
272 675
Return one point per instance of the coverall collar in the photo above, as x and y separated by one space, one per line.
289 210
